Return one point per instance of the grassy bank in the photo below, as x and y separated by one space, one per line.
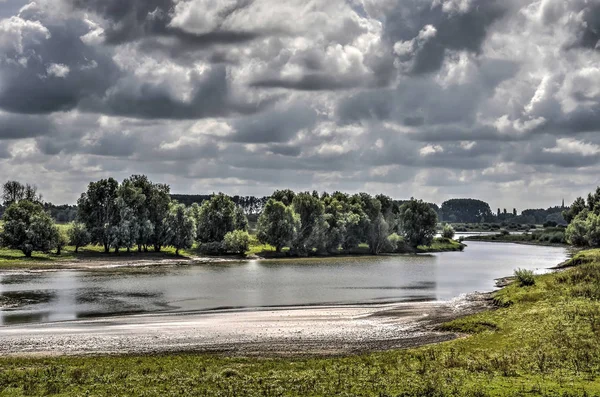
543 340
548 236
14 259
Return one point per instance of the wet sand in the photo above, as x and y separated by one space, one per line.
321 330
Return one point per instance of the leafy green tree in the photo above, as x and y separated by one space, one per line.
97 209
448 231
592 229
277 225
237 242
310 211
181 227
218 216
78 235
418 221
14 191
286 196
61 239
576 232
466 210
27 227
577 206
125 232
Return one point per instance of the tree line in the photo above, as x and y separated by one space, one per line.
139 214
584 221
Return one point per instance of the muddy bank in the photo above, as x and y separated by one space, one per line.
333 330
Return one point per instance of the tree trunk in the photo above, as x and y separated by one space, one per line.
278 249
145 248
176 251
116 250
27 253
58 249
157 247
128 250
139 247
106 248
76 249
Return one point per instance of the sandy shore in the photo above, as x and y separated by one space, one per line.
290 331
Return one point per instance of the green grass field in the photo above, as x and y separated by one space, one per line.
543 340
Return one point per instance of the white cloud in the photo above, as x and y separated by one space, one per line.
574 146
58 70
430 149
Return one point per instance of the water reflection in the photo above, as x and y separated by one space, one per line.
68 295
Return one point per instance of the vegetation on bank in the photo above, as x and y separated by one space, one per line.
542 340
548 236
139 215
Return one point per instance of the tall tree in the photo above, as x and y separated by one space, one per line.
310 212
181 228
14 191
277 225
418 222
217 217
96 208
27 227
466 210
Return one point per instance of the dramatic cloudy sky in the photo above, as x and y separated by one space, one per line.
493 99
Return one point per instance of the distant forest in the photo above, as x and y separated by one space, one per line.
451 211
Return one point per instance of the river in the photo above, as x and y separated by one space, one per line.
68 295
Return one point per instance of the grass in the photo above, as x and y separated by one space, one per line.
543 340
549 236
442 244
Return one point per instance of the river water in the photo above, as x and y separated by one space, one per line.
68 295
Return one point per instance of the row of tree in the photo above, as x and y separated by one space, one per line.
308 222
138 213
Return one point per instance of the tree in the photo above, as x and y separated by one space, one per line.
27 227
237 242
181 228
14 191
592 229
218 216
466 210
310 212
448 231
78 235
97 209
125 232
286 196
277 225
577 206
418 222
576 232
61 239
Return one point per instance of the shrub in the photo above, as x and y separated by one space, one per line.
524 277
576 232
214 248
394 241
78 235
504 232
448 231
236 242
557 238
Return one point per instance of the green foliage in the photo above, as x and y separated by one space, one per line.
524 277
418 222
310 212
27 227
78 235
448 231
236 242
277 225
97 209
61 239
181 227
466 210
217 217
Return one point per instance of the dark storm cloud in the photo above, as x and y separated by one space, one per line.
588 35
211 97
33 88
137 19
14 126
277 125
459 30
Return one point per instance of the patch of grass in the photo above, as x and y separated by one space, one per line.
440 244
524 277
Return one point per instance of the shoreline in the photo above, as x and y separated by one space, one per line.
279 332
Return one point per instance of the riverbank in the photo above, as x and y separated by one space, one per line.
540 340
552 238
93 258
291 331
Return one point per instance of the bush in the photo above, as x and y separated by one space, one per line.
550 224
236 242
576 232
78 235
214 248
557 238
504 232
448 231
524 277
394 241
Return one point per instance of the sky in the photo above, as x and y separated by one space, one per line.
435 99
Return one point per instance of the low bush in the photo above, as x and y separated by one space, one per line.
524 277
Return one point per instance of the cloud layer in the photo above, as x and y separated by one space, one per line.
493 99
